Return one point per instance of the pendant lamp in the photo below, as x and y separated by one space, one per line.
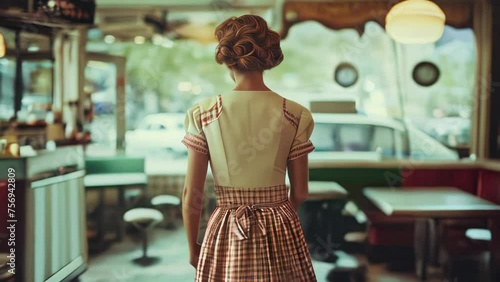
415 22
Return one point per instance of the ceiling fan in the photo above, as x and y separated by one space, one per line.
181 28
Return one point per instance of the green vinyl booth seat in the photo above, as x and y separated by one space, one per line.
115 164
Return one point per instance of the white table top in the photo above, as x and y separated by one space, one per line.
114 179
320 190
324 190
430 202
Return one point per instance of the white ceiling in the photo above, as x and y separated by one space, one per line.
183 3
125 19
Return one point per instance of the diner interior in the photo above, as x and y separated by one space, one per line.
404 182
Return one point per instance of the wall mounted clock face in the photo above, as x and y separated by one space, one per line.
346 74
425 73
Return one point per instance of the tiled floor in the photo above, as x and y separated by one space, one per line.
115 263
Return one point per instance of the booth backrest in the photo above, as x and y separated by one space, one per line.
489 185
465 179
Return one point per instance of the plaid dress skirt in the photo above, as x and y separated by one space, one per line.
254 234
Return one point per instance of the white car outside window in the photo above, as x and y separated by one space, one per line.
157 134
359 137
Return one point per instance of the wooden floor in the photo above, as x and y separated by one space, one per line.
114 264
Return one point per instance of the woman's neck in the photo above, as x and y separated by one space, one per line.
250 81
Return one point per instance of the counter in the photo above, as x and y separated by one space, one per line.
44 231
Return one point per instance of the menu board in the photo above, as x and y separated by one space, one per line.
77 11
13 4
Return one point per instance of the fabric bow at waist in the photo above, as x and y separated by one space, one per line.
242 216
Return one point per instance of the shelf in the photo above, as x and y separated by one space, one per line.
37 22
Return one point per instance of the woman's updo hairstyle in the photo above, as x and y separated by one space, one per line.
247 44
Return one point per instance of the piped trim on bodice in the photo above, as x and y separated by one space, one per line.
300 150
294 120
196 142
212 113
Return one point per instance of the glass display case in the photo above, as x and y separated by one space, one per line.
26 77
36 95
26 88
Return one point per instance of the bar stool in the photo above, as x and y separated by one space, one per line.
478 234
474 262
169 203
144 219
483 236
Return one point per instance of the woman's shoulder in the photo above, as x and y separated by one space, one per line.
294 107
207 110
206 104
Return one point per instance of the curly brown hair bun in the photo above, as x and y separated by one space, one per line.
248 44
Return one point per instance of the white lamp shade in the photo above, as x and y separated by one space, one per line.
415 22
3 46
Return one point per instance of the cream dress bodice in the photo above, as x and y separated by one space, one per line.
249 136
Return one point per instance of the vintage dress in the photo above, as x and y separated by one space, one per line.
254 233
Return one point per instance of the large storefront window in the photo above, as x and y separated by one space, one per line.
399 111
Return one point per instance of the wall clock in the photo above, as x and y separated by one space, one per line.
346 74
425 73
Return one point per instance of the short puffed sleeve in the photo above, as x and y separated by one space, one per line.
194 138
301 144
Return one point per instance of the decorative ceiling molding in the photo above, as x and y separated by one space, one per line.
354 14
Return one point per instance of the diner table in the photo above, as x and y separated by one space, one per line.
321 218
121 182
427 204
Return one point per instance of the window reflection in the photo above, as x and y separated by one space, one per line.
100 105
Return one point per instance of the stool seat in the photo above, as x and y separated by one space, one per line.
143 215
169 204
4 273
478 234
165 200
357 237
